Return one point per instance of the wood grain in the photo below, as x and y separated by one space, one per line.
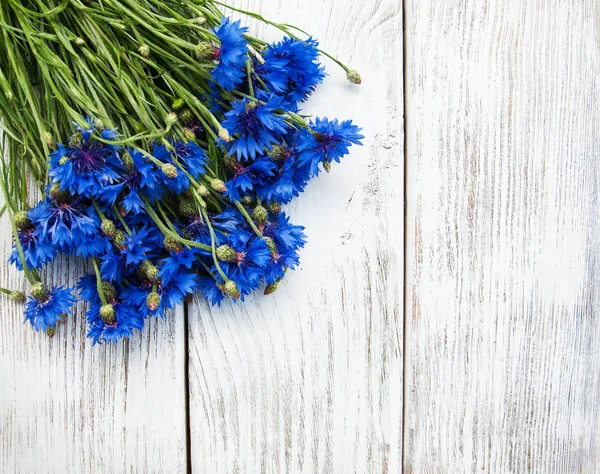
310 379
503 129
66 406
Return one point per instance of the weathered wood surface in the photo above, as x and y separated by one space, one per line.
502 330
309 379
66 406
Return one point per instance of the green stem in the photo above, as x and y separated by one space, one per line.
99 281
213 246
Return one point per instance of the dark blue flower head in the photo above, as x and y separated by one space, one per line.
48 306
231 55
37 247
286 239
254 127
246 178
191 156
86 164
327 140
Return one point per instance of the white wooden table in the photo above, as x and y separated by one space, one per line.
444 318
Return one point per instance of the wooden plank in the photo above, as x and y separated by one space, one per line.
66 406
503 127
310 379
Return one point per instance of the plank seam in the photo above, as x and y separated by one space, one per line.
186 377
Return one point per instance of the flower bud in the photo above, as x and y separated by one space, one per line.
279 153
169 170
260 215
202 190
50 331
9 96
99 124
274 208
148 270
178 104
39 292
48 140
189 134
58 194
200 20
119 239
187 117
271 288
64 160
21 220
171 118
224 134
108 227
205 50
18 296
327 165
231 289
218 185
187 208
108 314
353 76
75 140
109 291
226 254
250 105
79 41
271 244
246 200
144 51
153 301
172 244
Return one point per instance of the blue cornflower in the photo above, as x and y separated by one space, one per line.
208 286
252 257
287 239
49 306
177 183
327 140
253 127
69 224
86 165
37 247
134 246
191 156
137 179
304 72
177 261
246 178
121 261
231 55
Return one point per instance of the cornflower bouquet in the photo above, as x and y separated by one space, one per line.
163 140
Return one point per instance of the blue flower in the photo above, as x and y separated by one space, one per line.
177 184
68 224
287 240
86 165
47 311
254 127
327 140
302 67
191 156
208 286
37 247
134 246
246 178
136 180
176 262
231 56
127 319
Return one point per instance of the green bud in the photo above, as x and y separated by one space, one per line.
218 185
250 105
200 20
178 104
119 238
76 139
187 117
353 76
21 220
153 301
171 243
271 244
50 331
274 208
108 227
169 170
189 134
109 291
202 190
48 140
9 96
231 289
147 270
64 160
327 165
224 134
108 314
79 41
271 288
144 51
279 153
39 292
205 50
226 254
99 124
171 118
58 194
260 215
187 208
18 296
246 200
